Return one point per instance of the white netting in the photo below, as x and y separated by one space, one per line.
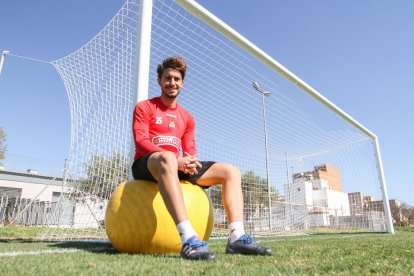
307 143
99 79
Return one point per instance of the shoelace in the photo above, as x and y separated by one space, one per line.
197 244
246 239
200 244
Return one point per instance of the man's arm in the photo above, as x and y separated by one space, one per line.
140 127
188 141
189 160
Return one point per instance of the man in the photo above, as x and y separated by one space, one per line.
161 127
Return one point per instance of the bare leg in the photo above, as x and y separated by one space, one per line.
230 178
164 167
232 197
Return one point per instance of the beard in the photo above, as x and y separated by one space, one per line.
172 95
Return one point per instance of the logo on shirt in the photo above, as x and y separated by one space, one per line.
158 120
171 125
167 141
171 115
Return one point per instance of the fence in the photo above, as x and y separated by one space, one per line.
24 211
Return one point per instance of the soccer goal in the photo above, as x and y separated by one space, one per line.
306 165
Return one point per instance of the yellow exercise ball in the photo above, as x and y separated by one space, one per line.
137 220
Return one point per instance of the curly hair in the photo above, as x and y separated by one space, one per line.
175 62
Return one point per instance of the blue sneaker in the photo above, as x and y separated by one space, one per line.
247 246
195 249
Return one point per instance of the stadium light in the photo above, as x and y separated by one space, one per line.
265 93
3 54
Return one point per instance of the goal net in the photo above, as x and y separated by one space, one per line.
304 167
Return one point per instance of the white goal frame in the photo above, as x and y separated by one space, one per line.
203 14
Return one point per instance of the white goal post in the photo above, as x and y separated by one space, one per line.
307 166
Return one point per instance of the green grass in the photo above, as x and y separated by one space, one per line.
18 232
343 254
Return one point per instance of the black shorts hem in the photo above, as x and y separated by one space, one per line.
140 170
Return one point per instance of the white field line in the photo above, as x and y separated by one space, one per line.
41 252
320 238
307 237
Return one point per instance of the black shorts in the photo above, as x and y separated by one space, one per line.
140 170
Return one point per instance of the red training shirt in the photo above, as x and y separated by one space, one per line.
157 127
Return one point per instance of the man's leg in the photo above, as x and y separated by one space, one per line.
230 178
164 168
232 198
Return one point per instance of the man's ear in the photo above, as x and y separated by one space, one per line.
159 81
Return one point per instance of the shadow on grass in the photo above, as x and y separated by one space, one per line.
102 248
89 246
18 240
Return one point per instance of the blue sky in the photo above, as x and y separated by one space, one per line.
358 54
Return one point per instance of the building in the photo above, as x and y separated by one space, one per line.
361 205
33 199
331 174
314 197
326 172
30 185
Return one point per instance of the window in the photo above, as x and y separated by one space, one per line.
10 192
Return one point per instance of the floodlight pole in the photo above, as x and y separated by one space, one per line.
2 56
265 93
289 191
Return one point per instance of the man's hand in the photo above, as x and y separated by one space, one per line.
188 164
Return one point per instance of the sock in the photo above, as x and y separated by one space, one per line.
236 229
185 230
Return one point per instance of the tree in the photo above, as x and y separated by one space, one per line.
104 174
256 190
3 144
407 213
255 194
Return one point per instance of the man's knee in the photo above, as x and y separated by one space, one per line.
236 172
163 160
231 172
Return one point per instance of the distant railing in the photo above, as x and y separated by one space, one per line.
24 211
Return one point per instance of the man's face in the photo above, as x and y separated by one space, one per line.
171 82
